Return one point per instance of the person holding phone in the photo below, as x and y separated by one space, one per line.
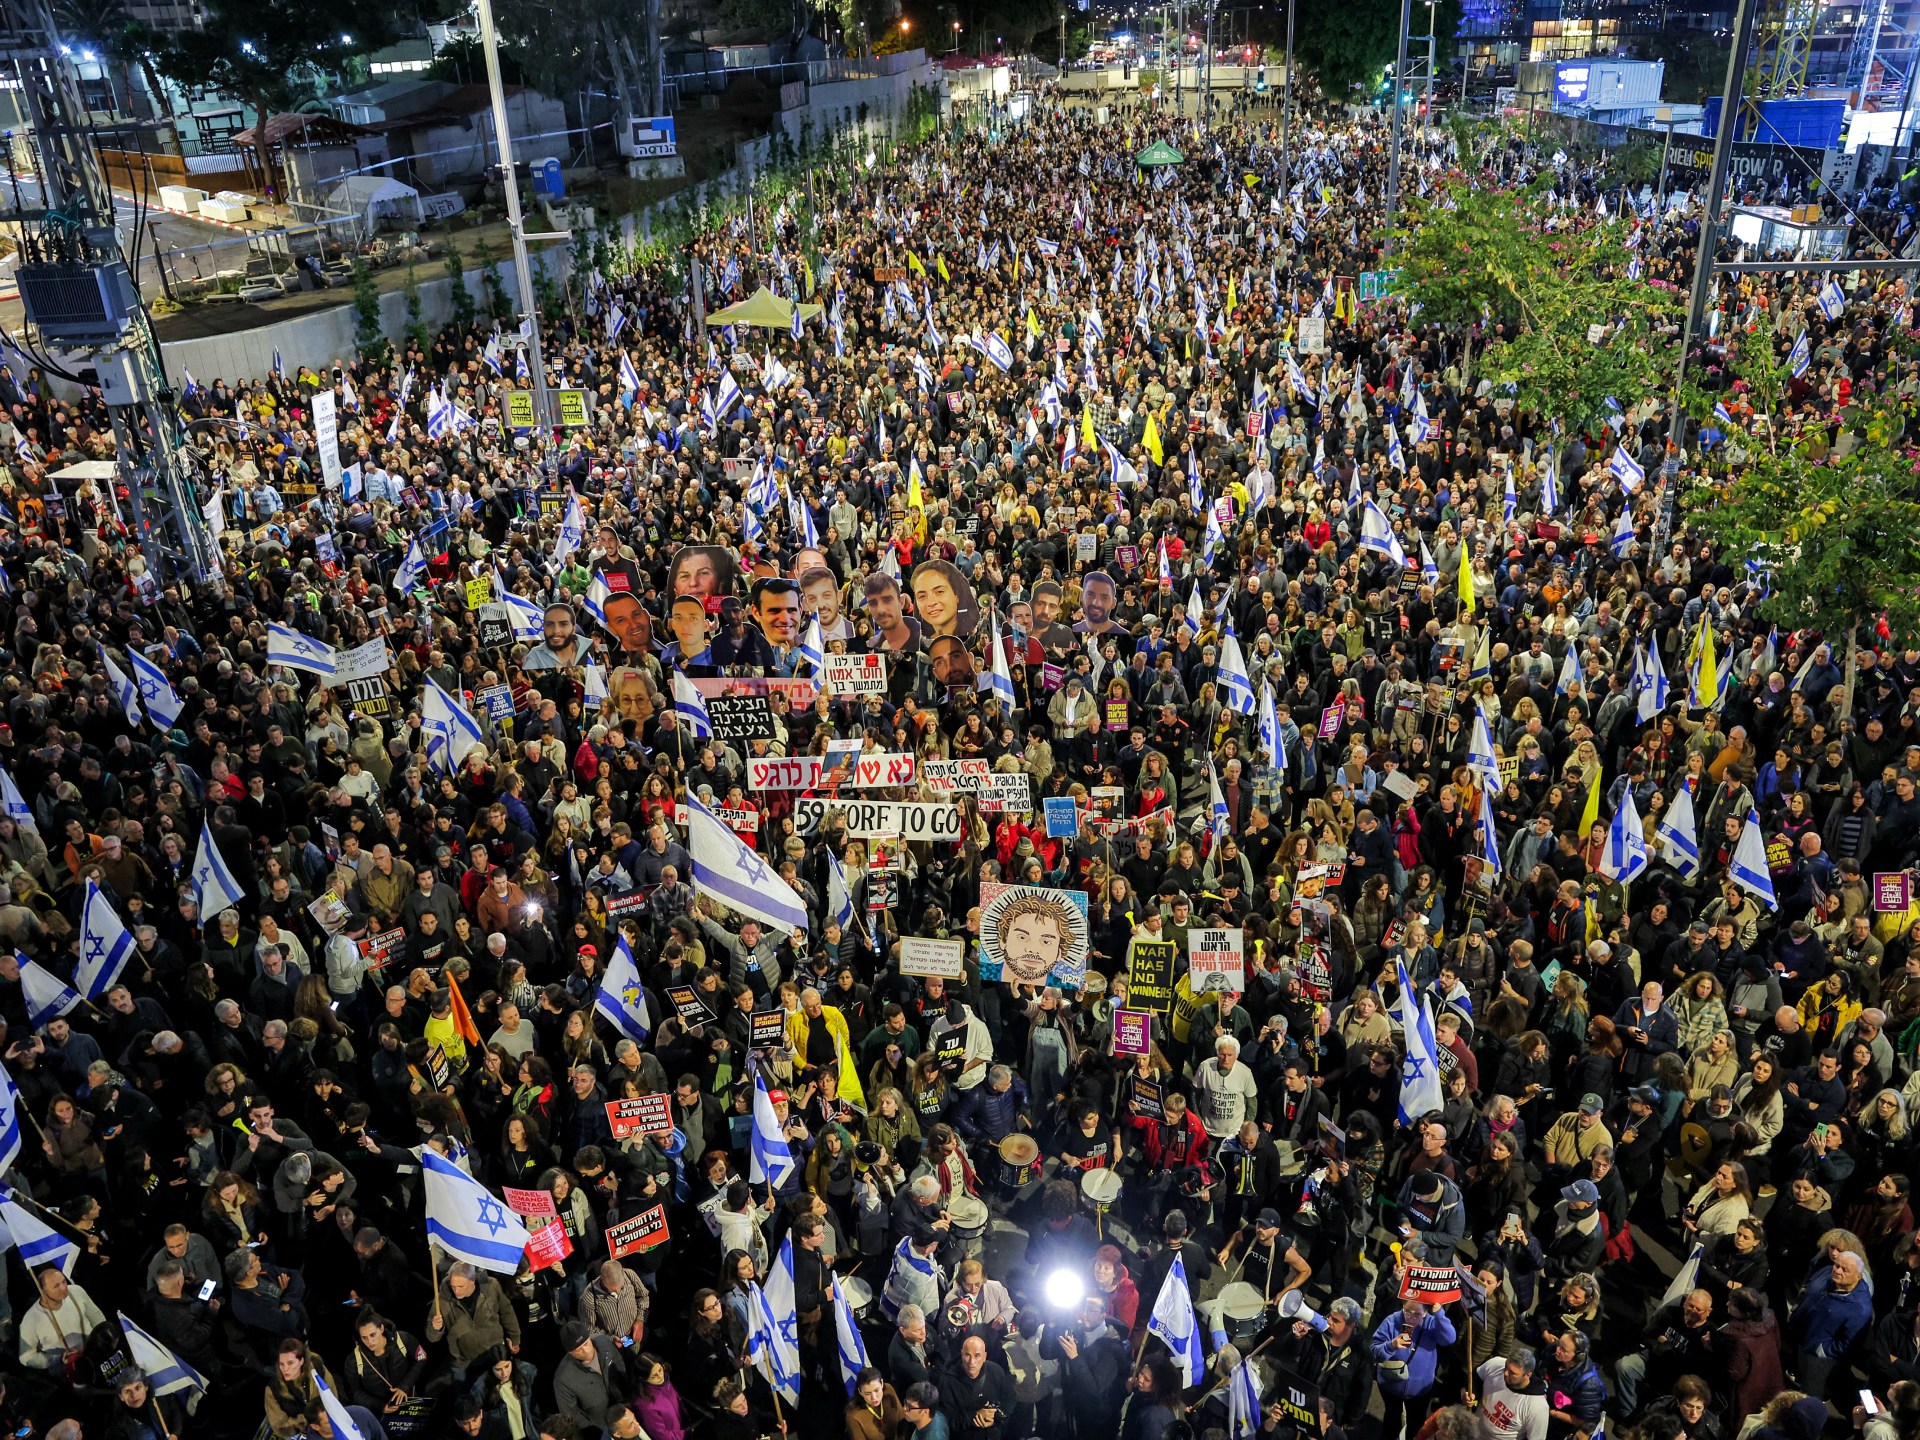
977 1395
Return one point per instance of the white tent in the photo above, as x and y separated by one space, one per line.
377 198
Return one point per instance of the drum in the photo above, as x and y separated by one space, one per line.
970 1215
1019 1160
1243 1312
1100 1192
859 1297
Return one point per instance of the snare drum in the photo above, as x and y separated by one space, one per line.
1243 1311
859 1297
970 1215
1101 1189
1019 1160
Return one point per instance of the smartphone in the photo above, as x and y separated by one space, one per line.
206 1291
1868 1403
626 1341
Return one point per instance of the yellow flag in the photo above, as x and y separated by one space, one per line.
1233 302
1707 688
1466 579
940 264
1016 264
1590 814
916 498
1033 323
850 1088
913 264
1151 439
1087 437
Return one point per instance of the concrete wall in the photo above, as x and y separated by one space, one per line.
322 336
831 103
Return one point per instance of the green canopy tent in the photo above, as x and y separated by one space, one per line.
764 309
1158 153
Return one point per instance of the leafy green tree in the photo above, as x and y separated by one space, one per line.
456 267
274 53
1472 255
1842 532
417 335
368 338
496 291
1353 44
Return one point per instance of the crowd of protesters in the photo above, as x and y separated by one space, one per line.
1676 1070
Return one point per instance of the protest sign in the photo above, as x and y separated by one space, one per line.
880 819
1150 974
1433 1284
1151 1098
1002 792
1132 1032
943 958
741 717
548 1245
643 1115
530 1203
767 1029
856 674
1216 959
1062 823
945 776
1893 893
642 1232
689 1005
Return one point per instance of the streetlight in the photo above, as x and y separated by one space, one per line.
1430 62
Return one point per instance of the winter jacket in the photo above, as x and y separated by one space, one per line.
1434 1332
1828 1322
610 1314
475 1325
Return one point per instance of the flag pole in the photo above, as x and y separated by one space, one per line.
154 1399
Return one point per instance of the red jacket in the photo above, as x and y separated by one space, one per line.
1169 1146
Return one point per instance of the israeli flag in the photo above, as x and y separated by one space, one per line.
773 1338
166 1372
1490 833
214 888
596 686
853 1349
1120 470
595 600
105 945
839 894
1800 357
813 646
725 868
1214 539
1217 803
124 690
193 387
621 1000
1748 869
491 354
691 706
1627 470
156 693
10 1139
1570 672
1396 458
287 646
1235 683
573 530
1510 504
1420 1070
1174 1322
1622 539
1480 757
997 351
452 733
771 1161
1195 608
13 805
38 1243
1550 484
726 396
1649 681
1377 535
999 676
1268 729
1243 1402
1429 572
1625 855
412 568
1677 834
629 377
466 1220
1196 491
1833 300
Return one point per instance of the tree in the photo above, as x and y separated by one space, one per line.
1839 535
1353 44
1539 281
462 298
417 335
368 336
274 53
496 291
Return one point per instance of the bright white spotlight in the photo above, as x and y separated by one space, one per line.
1065 1290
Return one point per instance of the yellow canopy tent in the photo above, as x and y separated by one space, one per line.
764 309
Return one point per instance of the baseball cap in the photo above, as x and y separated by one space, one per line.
1591 1104
1645 1094
1582 1192
778 1097
1269 1218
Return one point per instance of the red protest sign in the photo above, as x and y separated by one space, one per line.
642 1232
1433 1284
646 1115
549 1245
531 1203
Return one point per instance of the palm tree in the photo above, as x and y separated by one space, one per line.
121 42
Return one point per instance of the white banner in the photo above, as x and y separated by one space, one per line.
946 959
888 770
363 662
950 776
880 819
789 772
326 437
857 674
1217 960
1001 792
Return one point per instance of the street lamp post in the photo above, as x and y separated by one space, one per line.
1430 41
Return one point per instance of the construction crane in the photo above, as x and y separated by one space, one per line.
1782 44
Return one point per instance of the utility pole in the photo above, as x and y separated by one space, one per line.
1745 16
1286 103
523 272
1393 162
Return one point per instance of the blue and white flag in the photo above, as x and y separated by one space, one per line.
105 945
1627 470
412 567
1649 681
193 387
1222 821
452 734
1550 484
1194 609
214 888
1623 534
1243 1402
10 1137
469 1221
13 805
1510 502
1377 535
1570 672
621 999
156 693
1178 1328
999 676
1480 757
1676 832
1489 833
1748 868
166 1372
1215 539
839 894
527 619
629 377
1800 357
691 706
1625 855
1429 572
1235 684
1420 1070
1120 470
813 646
853 1349
725 868
594 602
770 1161
124 690
773 1342
1833 300
996 350
573 530
38 1243
287 646
1271 739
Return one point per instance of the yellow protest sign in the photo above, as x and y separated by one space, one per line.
573 407
520 409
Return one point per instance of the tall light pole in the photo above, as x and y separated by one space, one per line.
1393 161
1286 102
1430 40
523 272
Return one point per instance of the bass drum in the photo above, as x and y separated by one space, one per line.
969 1215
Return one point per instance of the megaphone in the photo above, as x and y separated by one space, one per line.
1292 1307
